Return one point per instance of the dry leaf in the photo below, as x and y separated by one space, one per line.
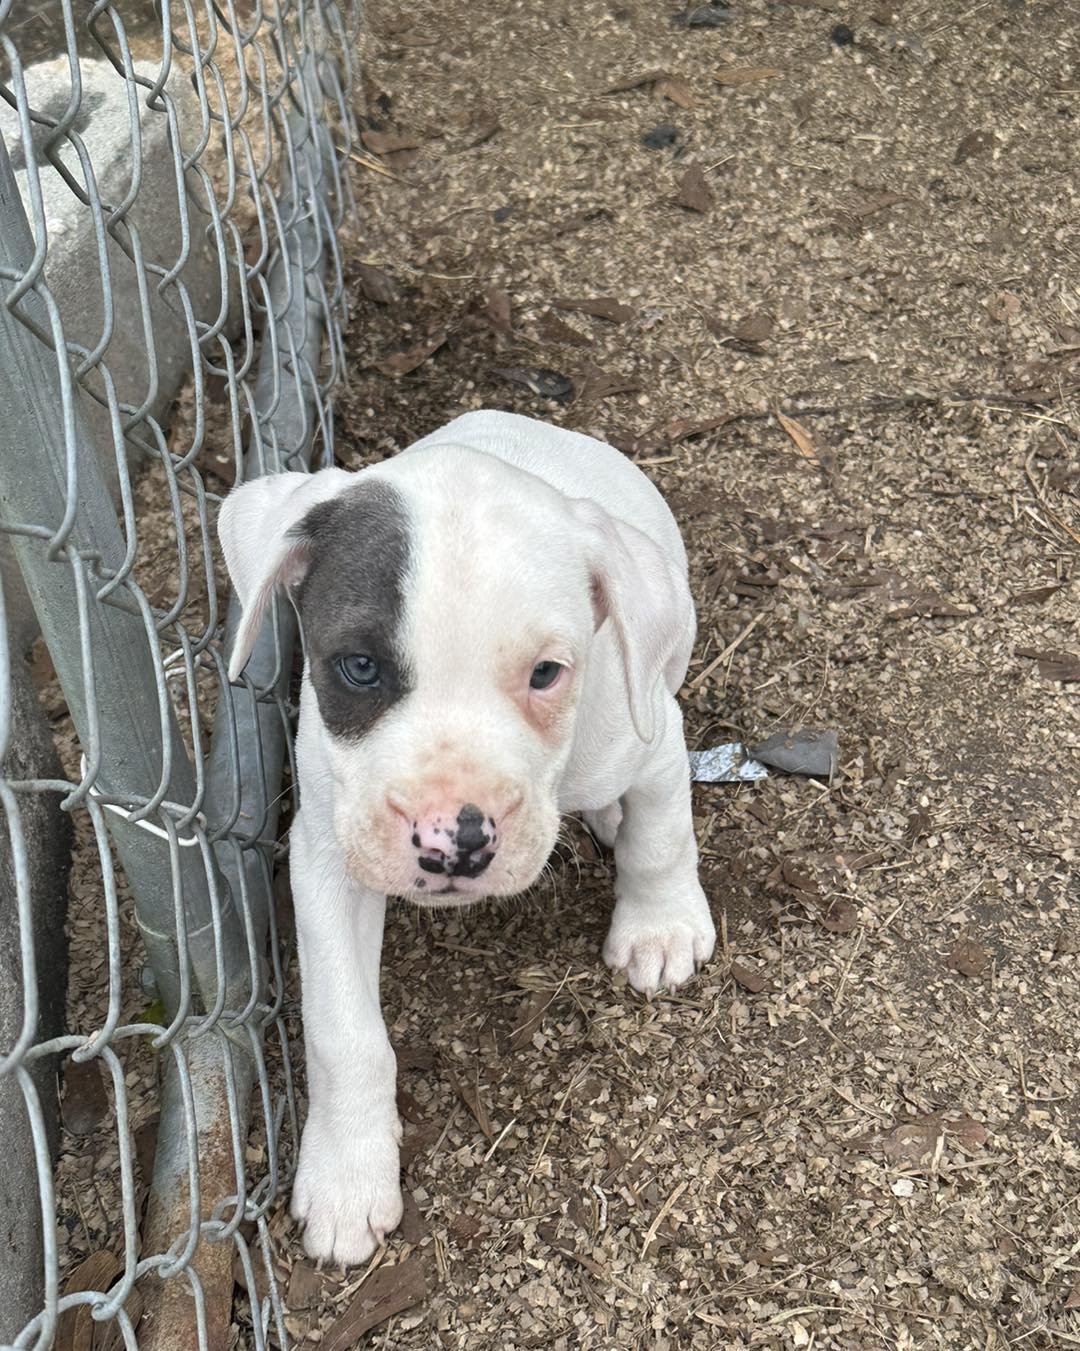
1053 665
389 1290
75 1329
470 1096
753 330
86 1099
877 203
804 442
968 957
840 917
553 329
677 91
971 1134
413 1226
929 605
694 191
600 307
1035 595
1072 1299
682 429
594 383
530 1017
305 1289
376 285
388 142
483 129
733 76
748 978
401 363
637 81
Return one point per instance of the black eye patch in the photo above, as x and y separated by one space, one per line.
351 605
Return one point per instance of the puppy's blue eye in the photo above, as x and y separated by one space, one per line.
358 669
545 674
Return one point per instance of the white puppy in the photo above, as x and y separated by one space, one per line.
495 623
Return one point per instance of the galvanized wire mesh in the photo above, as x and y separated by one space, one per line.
173 181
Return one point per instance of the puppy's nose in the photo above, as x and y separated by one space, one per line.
460 845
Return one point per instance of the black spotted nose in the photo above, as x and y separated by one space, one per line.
462 849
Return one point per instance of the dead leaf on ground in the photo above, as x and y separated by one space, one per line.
541 380
376 284
75 1328
802 751
878 202
306 1285
636 81
752 331
497 311
747 977
968 957
929 605
552 329
401 363
413 1226
971 1134
530 1017
682 429
388 142
839 917
694 191
1053 664
1035 595
389 1290
732 77
1072 1299
804 442
86 1099
469 1093
594 383
974 143
599 307
484 128
675 89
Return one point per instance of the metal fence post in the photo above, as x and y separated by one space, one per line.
48 467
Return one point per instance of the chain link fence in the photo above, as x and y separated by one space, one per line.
173 184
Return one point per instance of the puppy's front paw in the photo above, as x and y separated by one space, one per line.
659 946
347 1191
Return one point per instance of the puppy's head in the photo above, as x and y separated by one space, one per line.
449 604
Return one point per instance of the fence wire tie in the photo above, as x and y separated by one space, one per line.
148 826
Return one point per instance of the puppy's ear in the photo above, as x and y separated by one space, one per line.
259 528
640 591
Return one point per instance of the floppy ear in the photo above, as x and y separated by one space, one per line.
258 526
647 601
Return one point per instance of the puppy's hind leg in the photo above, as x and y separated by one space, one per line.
604 823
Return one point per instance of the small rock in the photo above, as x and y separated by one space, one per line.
842 35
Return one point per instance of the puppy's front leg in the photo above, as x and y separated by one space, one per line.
347 1190
661 931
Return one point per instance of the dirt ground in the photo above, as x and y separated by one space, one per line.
858 1127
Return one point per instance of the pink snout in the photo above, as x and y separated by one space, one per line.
451 842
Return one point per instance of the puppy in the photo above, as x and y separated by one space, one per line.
495 624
